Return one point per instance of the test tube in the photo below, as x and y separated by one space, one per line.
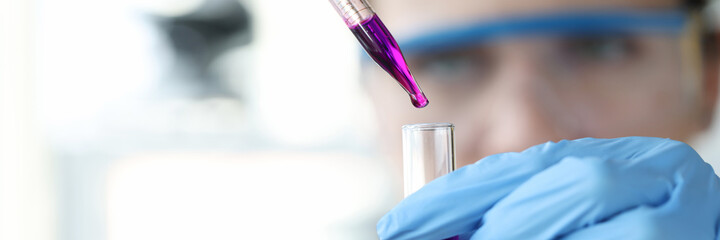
428 153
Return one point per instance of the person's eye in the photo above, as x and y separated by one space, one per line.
453 66
600 48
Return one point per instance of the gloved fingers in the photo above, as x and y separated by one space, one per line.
639 223
692 212
582 191
456 203
569 195
672 189
453 204
646 223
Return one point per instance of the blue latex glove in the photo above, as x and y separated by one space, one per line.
624 188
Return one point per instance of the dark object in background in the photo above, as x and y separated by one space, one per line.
198 38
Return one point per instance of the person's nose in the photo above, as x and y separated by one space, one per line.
519 109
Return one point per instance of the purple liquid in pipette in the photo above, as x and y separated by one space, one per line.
381 46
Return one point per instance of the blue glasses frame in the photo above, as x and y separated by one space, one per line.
583 23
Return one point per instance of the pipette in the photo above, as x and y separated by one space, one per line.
379 44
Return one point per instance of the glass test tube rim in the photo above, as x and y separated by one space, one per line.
428 126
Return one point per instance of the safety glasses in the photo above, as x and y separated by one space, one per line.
601 54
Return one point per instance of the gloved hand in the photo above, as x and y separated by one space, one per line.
624 188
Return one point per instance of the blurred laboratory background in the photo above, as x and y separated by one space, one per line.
185 119
188 119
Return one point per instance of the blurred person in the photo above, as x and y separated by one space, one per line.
513 74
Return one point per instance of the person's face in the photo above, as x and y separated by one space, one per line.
511 94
